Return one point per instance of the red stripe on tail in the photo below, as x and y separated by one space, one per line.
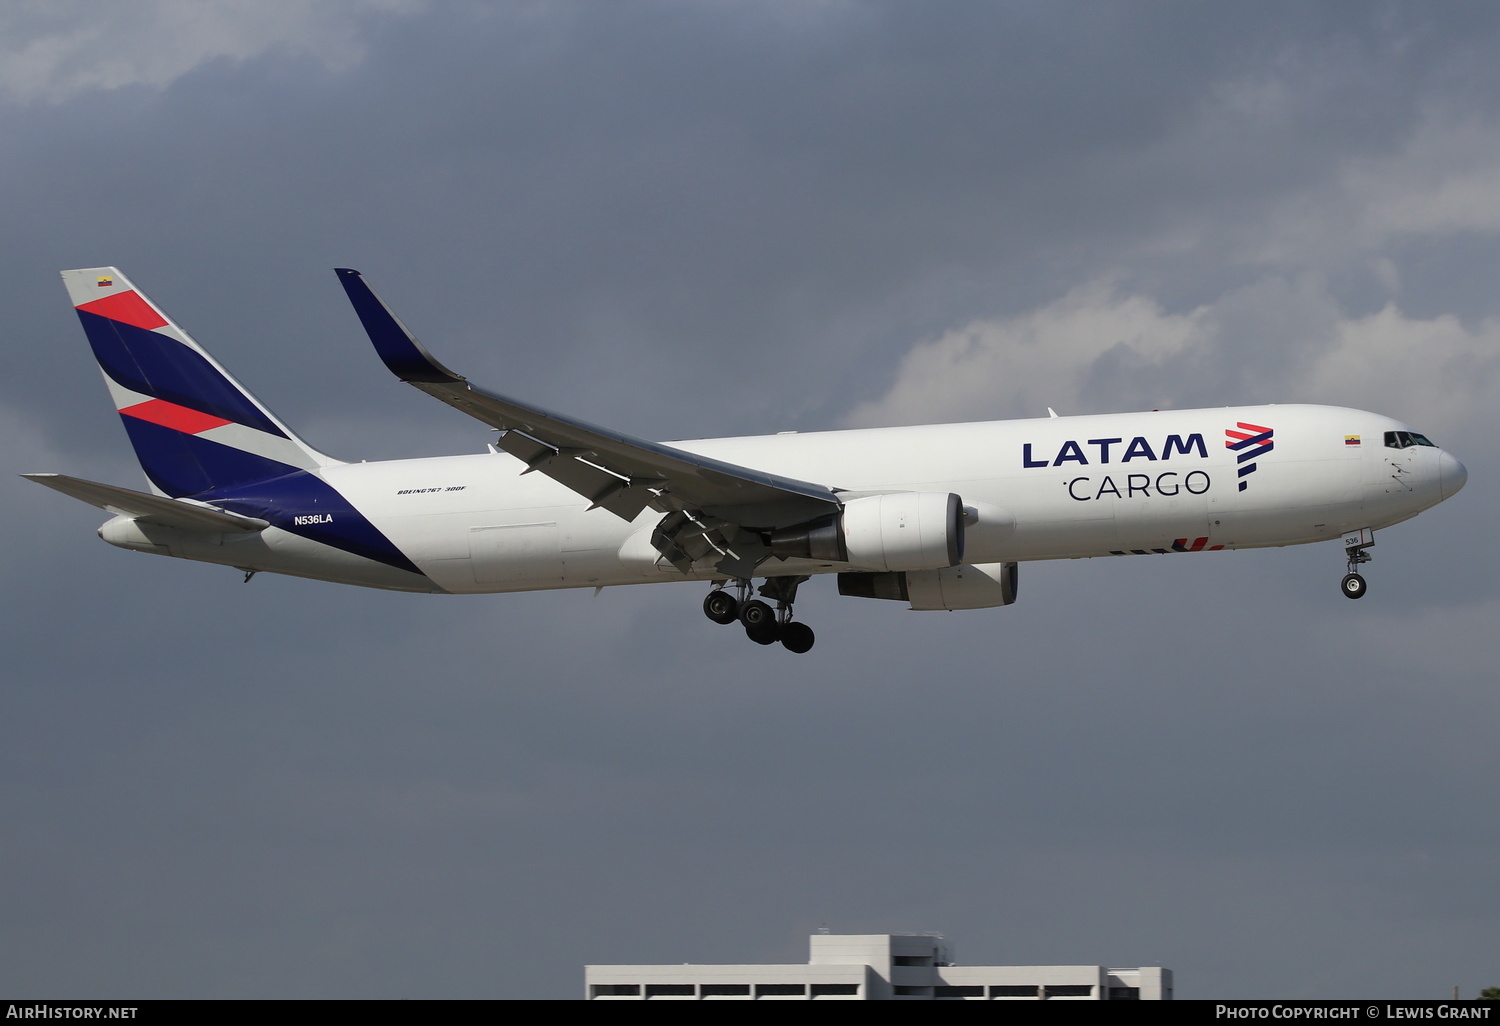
127 307
170 415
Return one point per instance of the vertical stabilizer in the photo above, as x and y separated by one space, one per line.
195 429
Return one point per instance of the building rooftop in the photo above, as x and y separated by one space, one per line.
876 967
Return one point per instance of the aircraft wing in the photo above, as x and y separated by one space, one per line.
154 509
713 506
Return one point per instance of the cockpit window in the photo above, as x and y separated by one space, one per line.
1405 440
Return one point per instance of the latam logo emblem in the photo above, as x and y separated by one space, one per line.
1250 441
1178 545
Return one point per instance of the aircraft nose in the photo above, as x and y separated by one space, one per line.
1454 475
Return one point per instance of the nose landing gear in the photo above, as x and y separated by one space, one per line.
1355 544
763 625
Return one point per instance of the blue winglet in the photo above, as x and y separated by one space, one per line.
407 358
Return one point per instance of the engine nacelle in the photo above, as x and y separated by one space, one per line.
964 586
895 531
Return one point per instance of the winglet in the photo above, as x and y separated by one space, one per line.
407 358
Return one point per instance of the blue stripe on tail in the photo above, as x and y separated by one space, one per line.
184 465
163 368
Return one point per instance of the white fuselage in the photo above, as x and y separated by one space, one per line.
1056 488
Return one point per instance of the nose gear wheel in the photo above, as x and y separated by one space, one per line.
1355 544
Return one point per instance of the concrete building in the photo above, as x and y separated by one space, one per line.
875 967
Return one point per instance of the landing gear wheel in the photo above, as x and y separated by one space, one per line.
796 637
721 607
767 633
1354 586
756 613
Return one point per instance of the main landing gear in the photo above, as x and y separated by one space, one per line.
763 625
1355 544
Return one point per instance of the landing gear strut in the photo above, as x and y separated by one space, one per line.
1355 544
763 624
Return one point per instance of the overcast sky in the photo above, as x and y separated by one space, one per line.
686 219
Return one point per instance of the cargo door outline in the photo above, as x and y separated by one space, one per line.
516 554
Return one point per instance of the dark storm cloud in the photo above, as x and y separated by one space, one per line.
693 219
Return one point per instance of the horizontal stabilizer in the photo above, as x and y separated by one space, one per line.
154 509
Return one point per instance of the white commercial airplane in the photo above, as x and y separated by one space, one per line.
937 516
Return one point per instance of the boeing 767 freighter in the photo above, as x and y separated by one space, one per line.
938 516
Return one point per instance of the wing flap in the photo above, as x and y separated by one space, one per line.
580 470
154 509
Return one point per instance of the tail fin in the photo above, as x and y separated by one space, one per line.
195 429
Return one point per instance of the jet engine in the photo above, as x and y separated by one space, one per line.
893 532
964 586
